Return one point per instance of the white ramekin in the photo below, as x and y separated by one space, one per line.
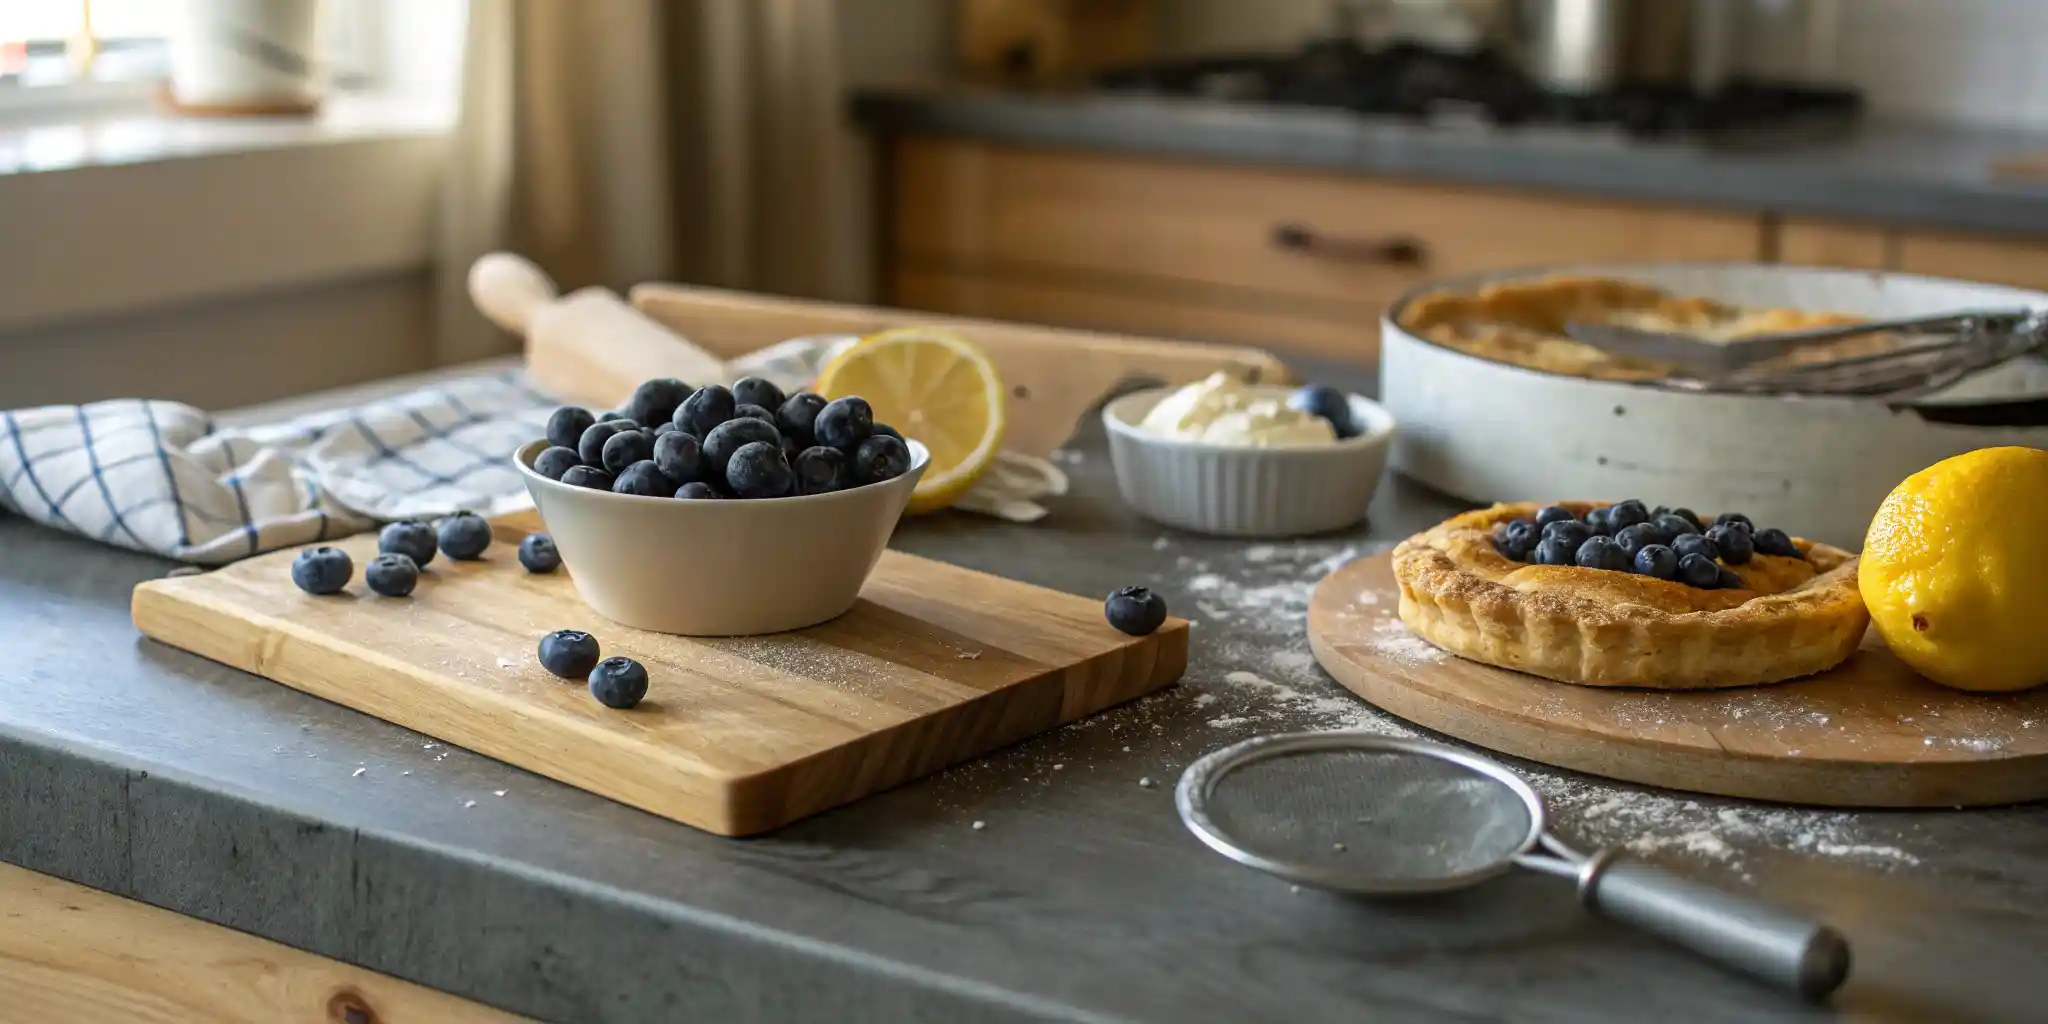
1246 492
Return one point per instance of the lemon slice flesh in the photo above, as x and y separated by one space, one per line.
937 388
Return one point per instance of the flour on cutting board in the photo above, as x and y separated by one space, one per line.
1260 677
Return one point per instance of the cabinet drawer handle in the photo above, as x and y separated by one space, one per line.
1392 250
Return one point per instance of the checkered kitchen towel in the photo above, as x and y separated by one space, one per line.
159 477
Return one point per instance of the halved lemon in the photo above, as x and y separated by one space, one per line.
936 387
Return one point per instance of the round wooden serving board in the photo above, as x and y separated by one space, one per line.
1869 733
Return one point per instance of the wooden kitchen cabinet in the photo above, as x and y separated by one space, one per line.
1816 243
1264 256
2022 262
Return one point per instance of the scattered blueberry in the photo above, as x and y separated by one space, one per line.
1691 517
618 682
413 540
886 430
1773 541
844 423
567 424
322 570
697 490
1657 560
1555 551
464 536
1596 521
727 438
537 553
392 575
798 414
880 458
1736 518
753 412
1626 514
553 462
1635 538
1602 553
588 476
626 448
678 455
1570 532
819 470
1728 580
667 427
710 406
791 448
569 653
758 470
1135 610
1332 405
590 447
757 391
1516 539
1695 544
645 479
655 401
1549 514
1732 543
1672 524
1698 571
619 417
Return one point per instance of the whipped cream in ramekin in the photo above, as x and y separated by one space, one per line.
1220 410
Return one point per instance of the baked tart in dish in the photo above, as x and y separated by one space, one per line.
1625 595
1522 323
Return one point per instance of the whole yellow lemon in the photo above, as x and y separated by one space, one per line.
1955 570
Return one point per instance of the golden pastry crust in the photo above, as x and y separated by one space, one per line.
1598 627
1522 323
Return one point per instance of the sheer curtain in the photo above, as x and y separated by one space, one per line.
621 141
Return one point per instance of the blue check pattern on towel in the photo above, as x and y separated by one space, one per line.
159 477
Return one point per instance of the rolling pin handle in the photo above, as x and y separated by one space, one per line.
509 289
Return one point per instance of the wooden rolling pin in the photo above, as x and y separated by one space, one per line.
587 347
591 348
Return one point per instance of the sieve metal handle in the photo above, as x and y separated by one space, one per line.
1766 942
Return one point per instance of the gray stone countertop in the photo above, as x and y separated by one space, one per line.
1929 175
156 774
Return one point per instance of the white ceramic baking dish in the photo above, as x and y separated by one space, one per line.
1817 467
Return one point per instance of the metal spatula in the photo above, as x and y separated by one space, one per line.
1713 360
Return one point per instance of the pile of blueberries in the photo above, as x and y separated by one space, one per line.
746 441
1628 536
404 548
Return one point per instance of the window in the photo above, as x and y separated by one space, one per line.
66 53
45 43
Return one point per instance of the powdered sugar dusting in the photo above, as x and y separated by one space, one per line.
1391 640
1254 674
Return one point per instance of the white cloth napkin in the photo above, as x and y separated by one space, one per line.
160 477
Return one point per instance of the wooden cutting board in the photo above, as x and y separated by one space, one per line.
1869 733
936 664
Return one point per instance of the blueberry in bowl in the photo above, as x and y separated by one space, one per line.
1333 405
723 533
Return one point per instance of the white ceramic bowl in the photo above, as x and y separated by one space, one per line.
720 568
1246 492
1817 467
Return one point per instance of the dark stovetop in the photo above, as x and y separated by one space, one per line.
1418 83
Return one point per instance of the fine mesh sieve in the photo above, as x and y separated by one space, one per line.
1373 815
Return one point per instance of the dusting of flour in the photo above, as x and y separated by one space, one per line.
1257 676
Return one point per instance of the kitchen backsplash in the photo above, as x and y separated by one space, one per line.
1951 60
